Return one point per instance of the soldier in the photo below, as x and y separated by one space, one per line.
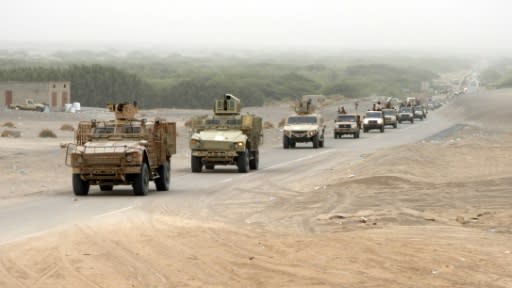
341 110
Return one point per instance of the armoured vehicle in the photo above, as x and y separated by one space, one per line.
406 114
29 105
304 126
373 120
347 124
390 117
227 138
124 151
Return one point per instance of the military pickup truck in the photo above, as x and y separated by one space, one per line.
124 151
390 117
227 138
373 120
29 105
347 124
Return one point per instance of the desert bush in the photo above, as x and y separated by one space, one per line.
9 125
47 133
67 127
11 133
281 123
267 125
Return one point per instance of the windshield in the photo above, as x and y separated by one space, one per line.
213 122
389 112
107 131
405 110
373 114
302 120
346 118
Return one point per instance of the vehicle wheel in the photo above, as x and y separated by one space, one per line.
286 142
382 129
243 162
292 144
141 184
162 183
321 143
365 130
254 163
356 135
196 164
421 118
80 187
412 121
335 135
400 122
316 142
106 187
395 125
209 166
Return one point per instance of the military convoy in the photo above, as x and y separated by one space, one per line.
124 151
131 151
304 126
227 138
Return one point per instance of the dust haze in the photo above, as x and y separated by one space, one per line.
398 25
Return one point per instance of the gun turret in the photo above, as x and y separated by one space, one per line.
124 111
228 105
304 107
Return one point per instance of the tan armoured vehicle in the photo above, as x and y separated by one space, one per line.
227 138
304 126
124 151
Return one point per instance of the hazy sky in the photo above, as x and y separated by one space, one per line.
359 24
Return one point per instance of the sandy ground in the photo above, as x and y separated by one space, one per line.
432 214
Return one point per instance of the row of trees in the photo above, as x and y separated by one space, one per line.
194 84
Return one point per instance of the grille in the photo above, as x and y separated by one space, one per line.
372 122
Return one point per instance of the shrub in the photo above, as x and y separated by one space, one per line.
281 123
9 125
11 133
47 133
67 127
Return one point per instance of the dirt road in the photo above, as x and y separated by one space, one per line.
421 205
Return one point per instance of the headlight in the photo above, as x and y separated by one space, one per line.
311 133
132 156
379 121
239 145
194 142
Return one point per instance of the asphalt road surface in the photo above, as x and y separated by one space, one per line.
222 194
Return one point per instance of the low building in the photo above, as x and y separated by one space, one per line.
54 94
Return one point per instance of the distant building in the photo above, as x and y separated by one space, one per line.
55 94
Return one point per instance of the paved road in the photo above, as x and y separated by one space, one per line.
211 194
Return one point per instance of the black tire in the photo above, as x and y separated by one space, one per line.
80 187
321 143
382 129
356 135
293 144
196 164
243 162
412 121
365 130
254 163
209 166
335 135
286 142
141 183
163 182
395 125
106 187
400 122
316 141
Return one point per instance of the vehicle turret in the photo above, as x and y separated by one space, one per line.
228 105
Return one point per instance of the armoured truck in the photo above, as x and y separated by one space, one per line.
124 151
226 138
347 124
304 126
